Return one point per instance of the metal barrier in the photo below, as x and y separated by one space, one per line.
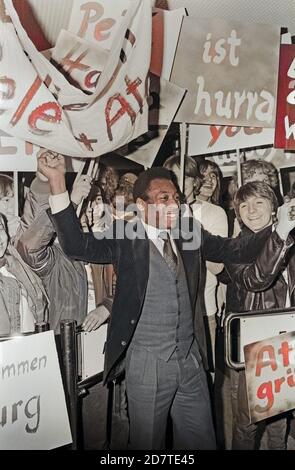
251 327
69 361
74 388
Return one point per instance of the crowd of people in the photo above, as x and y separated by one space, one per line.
163 267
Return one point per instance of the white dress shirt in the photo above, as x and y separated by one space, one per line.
153 235
59 202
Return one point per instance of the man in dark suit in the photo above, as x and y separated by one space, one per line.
154 332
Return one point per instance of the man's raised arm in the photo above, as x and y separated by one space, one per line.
74 242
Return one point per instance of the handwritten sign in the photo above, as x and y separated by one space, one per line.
166 29
44 104
218 62
33 412
285 122
210 139
97 21
83 61
18 155
270 376
164 100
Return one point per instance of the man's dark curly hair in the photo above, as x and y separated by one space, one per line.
142 184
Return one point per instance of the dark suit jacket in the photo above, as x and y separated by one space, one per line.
130 255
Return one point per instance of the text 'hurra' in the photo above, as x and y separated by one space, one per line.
229 105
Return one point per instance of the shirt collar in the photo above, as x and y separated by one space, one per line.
153 232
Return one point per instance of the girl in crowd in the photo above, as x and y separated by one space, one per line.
251 170
191 175
23 301
211 181
108 180
265 284
7 203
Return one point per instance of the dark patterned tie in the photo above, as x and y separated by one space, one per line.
168 254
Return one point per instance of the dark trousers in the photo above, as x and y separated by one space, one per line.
156 388
105 422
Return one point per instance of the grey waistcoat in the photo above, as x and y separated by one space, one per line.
165 324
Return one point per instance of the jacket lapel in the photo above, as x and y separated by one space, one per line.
141 262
